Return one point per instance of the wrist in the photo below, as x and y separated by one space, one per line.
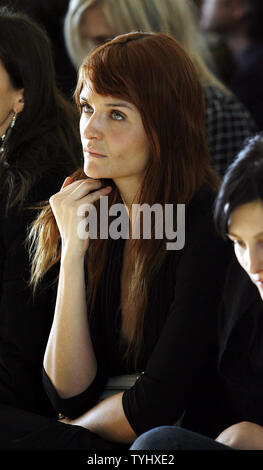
69 256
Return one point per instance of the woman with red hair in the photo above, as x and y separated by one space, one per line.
133 341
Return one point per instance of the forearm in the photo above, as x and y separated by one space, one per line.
69 358
107 419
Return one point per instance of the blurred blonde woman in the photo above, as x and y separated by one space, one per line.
173 17
89 23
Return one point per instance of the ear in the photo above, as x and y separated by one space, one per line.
19 101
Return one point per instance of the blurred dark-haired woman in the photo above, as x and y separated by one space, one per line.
238 217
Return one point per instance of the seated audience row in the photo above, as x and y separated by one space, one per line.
126 327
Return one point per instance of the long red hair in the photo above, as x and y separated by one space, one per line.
152 71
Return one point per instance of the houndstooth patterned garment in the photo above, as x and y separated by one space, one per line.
228 125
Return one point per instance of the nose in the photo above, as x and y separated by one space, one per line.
93 128
254 260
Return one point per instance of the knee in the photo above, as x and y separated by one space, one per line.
161 438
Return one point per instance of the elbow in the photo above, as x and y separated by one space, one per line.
68 387
65 381
74 405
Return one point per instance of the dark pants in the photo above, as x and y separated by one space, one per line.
175 438
22 430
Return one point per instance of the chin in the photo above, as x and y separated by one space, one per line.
92 171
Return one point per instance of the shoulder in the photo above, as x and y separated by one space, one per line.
202 204
15 223
238 282
45 186
41 190
241 300
200 231
240 296
203 245
216 96
222 105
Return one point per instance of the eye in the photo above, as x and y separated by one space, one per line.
117 115
86 108
239 243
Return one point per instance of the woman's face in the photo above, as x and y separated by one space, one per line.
11 100
246 231
114 140
94 27
7 100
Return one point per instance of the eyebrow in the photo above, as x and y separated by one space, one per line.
237 236
229 234
123 105
112 105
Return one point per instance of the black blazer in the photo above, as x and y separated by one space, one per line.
179 350
240 360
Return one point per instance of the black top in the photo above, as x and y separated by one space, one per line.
24 322
241 350
179 351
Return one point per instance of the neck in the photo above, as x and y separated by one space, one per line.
129 189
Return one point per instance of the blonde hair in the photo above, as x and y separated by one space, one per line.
175 17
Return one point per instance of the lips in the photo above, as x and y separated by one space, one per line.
94 154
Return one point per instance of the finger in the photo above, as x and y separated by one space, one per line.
67 182
81 189
94 196
69 187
